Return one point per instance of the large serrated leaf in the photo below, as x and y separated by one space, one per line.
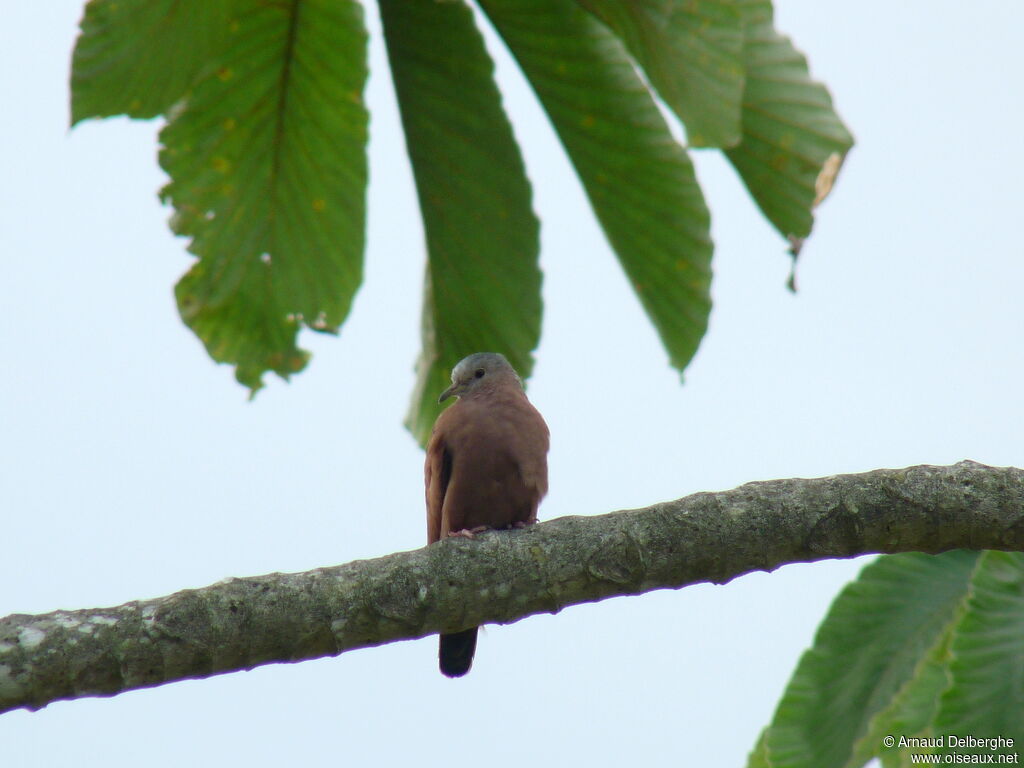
692 53
790 128
482 286
138 57
870 644
986 698
267 159
639 180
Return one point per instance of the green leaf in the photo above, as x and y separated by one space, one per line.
870 644
267 159
639 180
986 698
138 57
790 129
759 754
692 53
482 286
912 710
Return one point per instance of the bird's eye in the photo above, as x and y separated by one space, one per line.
479 373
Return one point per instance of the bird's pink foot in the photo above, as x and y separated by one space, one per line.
467 533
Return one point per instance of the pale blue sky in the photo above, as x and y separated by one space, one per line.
131 466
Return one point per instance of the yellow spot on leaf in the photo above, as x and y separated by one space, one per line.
233 26
319 204
588 121
229 124
225 74
189 307
826 178
220 164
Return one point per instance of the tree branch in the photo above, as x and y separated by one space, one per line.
504 576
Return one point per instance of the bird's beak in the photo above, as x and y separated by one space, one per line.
452 390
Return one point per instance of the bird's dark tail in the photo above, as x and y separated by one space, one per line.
455 654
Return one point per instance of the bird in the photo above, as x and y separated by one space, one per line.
486 467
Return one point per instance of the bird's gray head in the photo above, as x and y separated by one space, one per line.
481 371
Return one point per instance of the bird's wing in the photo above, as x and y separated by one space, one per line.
437 472
532 442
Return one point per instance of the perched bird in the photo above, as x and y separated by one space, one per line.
486 467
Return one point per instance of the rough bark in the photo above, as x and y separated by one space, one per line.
504 576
